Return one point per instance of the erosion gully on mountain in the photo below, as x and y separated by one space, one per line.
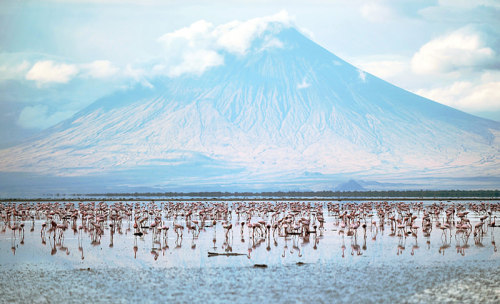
284 117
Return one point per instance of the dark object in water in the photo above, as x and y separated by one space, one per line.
260 266
300 263
211 254
138 233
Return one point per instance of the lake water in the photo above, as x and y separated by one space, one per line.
324 265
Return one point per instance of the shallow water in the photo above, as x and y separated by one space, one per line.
327 267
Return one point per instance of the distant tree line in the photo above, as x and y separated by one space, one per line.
321 194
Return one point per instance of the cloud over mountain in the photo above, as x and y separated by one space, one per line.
48 71
462 49
193 49
290 115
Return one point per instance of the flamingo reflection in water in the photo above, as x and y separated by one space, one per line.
297 222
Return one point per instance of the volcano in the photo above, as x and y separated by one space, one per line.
283 115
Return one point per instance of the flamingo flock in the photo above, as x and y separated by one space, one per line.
255 223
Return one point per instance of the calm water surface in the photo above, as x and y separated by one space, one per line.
323 264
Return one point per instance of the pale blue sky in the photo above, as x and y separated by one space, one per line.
56 57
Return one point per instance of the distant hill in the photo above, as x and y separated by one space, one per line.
350 185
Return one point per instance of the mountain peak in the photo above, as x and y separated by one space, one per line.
259 105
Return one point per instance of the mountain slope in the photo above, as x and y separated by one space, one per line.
274 115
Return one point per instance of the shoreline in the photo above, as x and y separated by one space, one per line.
191 199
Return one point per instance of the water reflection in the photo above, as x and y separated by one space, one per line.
286 229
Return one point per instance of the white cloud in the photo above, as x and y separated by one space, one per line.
189 50
47 71
194 49
196 62
485 96
38 117
462 49
195 35
471 96
237 36
139 75
100 69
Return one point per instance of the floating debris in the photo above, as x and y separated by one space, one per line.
211 254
